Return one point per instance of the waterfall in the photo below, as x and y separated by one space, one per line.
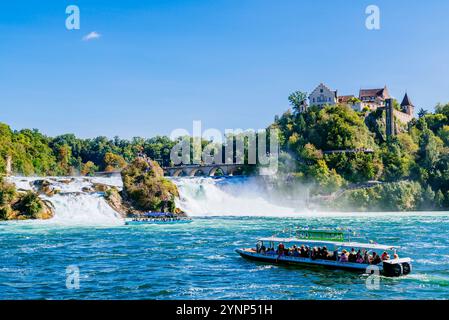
199 196
230 196
72 205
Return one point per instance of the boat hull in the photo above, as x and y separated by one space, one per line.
329 264
135 223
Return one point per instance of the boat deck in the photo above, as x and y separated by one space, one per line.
274 258
141 222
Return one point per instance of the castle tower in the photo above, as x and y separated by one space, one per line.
389 111
407 106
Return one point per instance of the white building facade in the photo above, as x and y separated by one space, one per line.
322 95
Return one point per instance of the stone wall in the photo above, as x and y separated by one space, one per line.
402 116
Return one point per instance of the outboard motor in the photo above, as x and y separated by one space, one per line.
393 269
406 268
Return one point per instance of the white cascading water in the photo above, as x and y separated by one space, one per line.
199 196
234 196
72 206
82 209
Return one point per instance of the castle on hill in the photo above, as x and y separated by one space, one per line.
368 99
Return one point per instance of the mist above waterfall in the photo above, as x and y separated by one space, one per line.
199 196
234 196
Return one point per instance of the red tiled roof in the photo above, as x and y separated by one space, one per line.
345 99
381 93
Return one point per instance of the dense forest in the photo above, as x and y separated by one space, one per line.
33 153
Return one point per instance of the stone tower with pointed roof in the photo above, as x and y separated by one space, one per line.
407 105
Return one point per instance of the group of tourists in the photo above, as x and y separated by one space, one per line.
314 253
163 219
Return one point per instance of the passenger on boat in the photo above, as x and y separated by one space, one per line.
281 249
359 257
385 256
376 258
296 252
366 257
325 253
263 249
292 250
314 254
303 252
344 256
352 256
335 255
395 256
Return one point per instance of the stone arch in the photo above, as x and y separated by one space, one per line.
232 170
196 172
178 173
213 172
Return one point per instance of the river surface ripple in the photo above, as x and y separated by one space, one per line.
198 261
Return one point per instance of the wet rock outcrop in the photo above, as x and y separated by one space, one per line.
16 205
145 189
44 187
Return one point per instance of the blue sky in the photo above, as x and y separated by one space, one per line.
159 65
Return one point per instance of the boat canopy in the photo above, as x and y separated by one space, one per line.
328 235
157 214
372 246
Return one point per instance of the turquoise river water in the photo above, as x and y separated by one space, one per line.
198 261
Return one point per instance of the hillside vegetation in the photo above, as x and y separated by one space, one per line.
413 165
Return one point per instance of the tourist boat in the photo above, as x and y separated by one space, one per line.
156 218
335 242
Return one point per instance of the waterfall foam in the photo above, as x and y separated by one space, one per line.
199 196
83 209
231 196
72 206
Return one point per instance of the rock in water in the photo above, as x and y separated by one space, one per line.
114 199
146 188
29 206
44 187
16 205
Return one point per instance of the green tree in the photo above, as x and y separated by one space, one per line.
113 162
89 168
297 99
